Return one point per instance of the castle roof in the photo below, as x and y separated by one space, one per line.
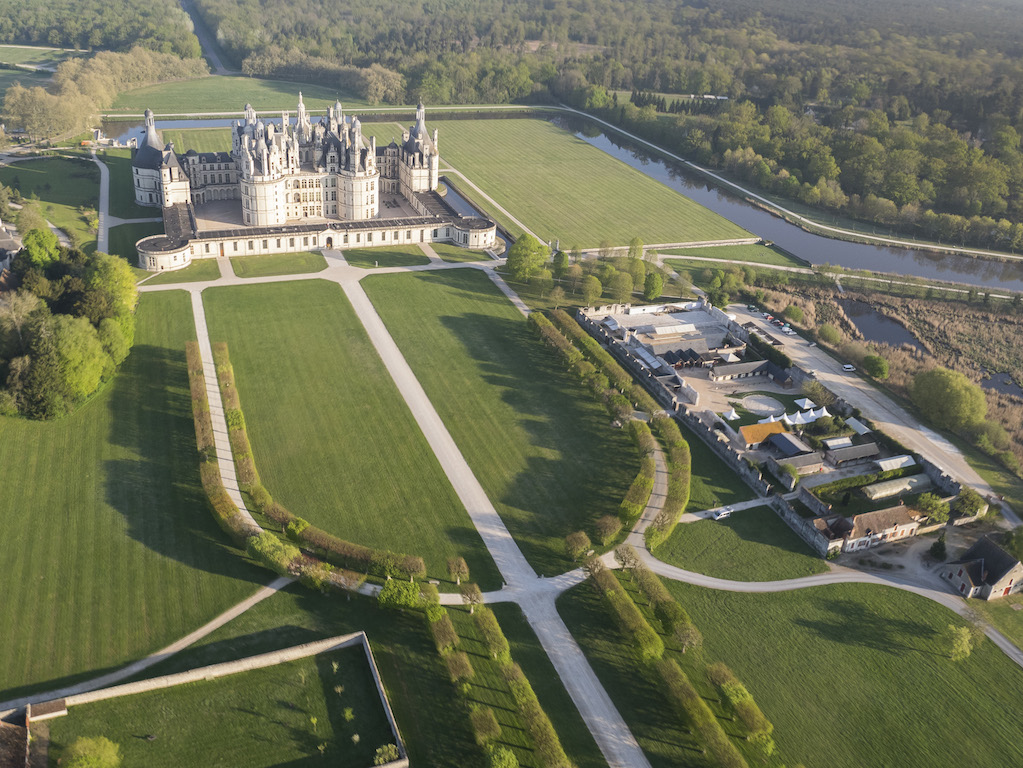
150 154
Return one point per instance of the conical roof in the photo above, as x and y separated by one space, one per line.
150 152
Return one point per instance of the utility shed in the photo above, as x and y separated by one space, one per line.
788 444
852 453
895 462
898 486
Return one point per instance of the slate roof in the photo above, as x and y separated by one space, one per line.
854 452
987 561
789 444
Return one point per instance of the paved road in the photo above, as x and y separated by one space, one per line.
103 235
210 49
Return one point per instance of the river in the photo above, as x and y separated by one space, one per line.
812 248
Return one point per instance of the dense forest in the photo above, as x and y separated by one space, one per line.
160 25
899 113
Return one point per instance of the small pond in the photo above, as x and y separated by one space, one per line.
877 327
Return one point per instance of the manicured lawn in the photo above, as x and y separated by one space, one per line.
1005 618
458 255
761 254
258 718
62 186
751 545
198 271
110 551
827 662
278 264
122 191
333 439
219 93
393 256
528 654
570 190
713 483
124 237
424 701
199 139
541 447
788 402
37 56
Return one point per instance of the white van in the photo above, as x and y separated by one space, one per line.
848 368
722 513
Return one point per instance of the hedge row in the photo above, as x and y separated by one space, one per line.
335 550
493 636
690 704
644 638
638 495
741 701
770 352
541 731
245 464
673 617
270 551
679 460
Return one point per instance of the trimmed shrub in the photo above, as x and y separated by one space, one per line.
444 635
742 703
493 636
608 527
577 544
690 705
679 461
501 757
545 738
400 594
268 550
296 528
591 348
645 641
484 722
651 586
459 666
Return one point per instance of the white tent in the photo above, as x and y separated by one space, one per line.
800 418
819 414
768 420
730 416
805 404
786 420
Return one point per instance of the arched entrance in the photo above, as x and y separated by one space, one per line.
330 242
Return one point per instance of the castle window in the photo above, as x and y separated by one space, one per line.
408 235
236 245
305 241
251 245
358 237
291 242
207 247
369 237
346 237
265 244
396 234
278 242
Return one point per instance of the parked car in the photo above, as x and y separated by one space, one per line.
848 368
722 513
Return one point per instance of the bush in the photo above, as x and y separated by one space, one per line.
741 701
651 586
400 594
876 366
793 313
484 724
608 527
830 335
501 757
577 544
459 666
444 635
493 636
386 754
679 460
938 549
295 528
268 550
545 738
933 507
691 706
968 503
94 752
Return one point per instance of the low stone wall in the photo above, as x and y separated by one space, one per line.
802 526
944 482
816 506
250 663
729 455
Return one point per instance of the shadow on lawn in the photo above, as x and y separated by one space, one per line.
760 525
158 491
853 623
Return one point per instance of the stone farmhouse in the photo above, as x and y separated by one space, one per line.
985 571
294 186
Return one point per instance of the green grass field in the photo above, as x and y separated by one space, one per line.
863 660
219 93
9 77
196 272
110 551
713 484
760 254
424 701
391 256
62 186
199 139
333 439
124 236
38 56
249 720
571 190
1001 613
535 439
456 255
122 192
278 264
751 545
528 654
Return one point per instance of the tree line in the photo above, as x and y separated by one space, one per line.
158 25
65 330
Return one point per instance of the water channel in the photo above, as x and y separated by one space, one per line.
814 249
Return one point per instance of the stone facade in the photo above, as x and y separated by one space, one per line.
301 185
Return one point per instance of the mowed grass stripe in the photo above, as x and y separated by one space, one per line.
561 187
333 439
110 551
538 443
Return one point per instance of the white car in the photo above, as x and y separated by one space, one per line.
722 513
848 368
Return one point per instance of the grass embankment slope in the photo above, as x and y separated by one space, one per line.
219 93
278 264
758 254
751 545
562 188
391 256
110 551
199 139
454 254
333 439
254 719
63 185
198 271
538 443
123 237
